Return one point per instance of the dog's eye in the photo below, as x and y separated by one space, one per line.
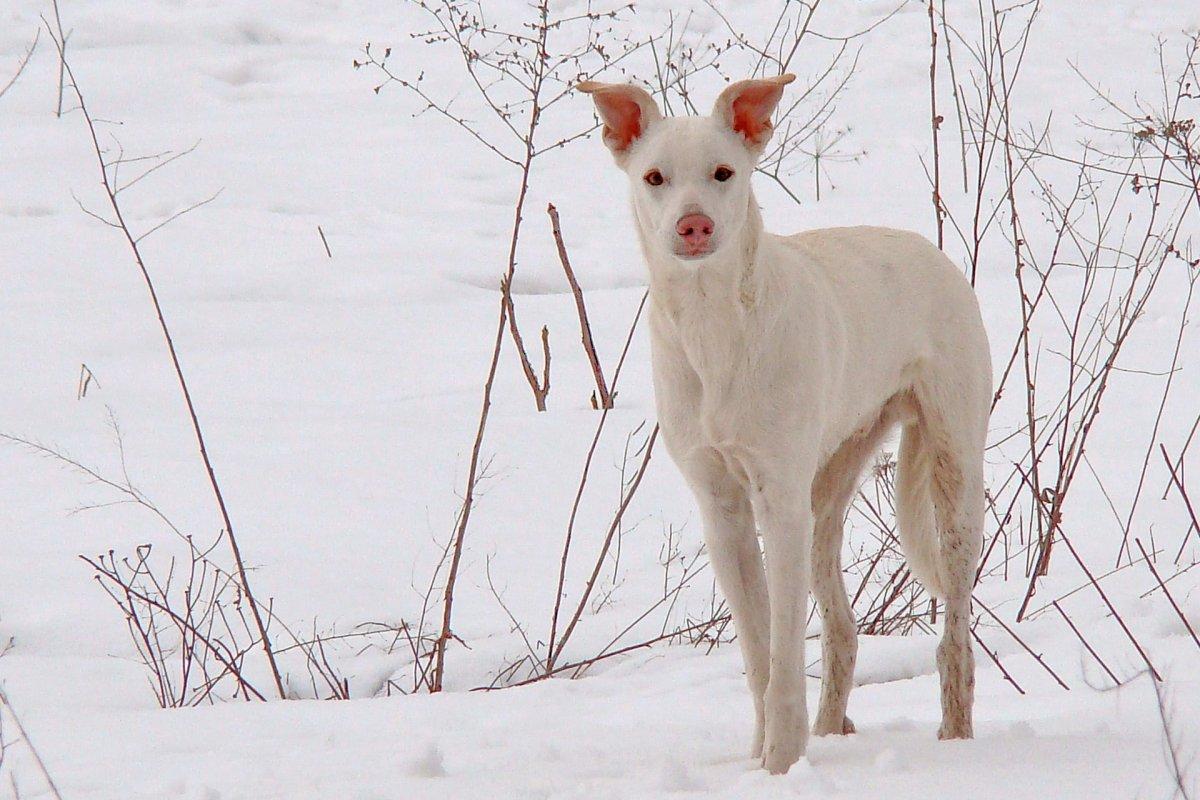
723 174
653 177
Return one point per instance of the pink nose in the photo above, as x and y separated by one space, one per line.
695 230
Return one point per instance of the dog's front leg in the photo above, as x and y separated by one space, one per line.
737 562
782 506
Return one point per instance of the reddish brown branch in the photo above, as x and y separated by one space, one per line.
1162 585
464 516
557 647
587 662
1024 646
1187 501
1084 642
935 123
583 478
1120 620
996 661
585 328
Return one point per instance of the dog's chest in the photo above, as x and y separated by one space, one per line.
711 385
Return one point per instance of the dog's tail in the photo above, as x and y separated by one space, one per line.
915 521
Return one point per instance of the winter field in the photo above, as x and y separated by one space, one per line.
336 222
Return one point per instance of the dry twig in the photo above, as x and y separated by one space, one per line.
22 64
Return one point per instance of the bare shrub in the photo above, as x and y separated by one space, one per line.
1092 231
518 76
186 613
191 643
113 186
806 136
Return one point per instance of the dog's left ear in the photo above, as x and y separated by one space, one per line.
747 106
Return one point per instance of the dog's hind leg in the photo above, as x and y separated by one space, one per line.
960 523
832 491
839 637
954 430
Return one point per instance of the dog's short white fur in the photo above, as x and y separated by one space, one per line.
780 365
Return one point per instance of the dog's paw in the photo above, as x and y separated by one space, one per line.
786 737
778 757
955 729
832 728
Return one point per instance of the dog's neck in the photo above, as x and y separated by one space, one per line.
730 281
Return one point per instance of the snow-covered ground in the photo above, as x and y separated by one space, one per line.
340 396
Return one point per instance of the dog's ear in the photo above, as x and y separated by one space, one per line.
747 106
626 111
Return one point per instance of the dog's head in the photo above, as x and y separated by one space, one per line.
690 175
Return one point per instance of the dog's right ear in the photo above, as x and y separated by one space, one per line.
746 107
626 111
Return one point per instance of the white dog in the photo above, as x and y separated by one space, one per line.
780 365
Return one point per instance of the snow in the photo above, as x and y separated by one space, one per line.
661 728
340 396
